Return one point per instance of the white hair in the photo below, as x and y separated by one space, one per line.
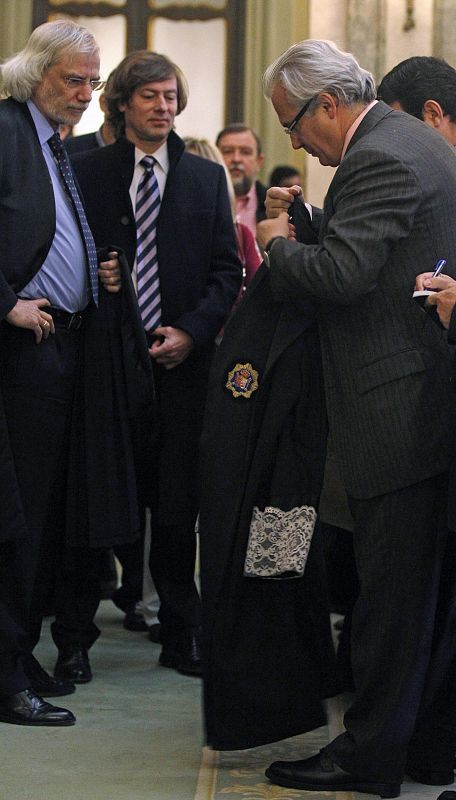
47 44
313 66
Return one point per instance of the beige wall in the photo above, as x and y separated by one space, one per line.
272 25
15 25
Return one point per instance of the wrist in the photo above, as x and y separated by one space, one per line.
271 242
268 248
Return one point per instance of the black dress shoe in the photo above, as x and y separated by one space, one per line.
155 633
447 796
73 664
430 777
27 708
321 774
185 658
134 621
44 684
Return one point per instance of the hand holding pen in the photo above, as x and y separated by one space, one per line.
437 282
438 267
434 280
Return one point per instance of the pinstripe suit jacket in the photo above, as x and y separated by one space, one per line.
390 213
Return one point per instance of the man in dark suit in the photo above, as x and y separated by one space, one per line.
425 87
129 593
388 215
240 147
49 299
192 245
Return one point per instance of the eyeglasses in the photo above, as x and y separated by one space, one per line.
289 130
76 83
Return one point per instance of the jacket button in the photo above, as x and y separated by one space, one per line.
125 220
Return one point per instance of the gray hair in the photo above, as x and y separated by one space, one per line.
313 66
47 44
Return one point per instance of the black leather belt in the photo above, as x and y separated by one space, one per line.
64 319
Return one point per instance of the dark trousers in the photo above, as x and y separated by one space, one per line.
403 638
172 566
38 387
131 559
173 545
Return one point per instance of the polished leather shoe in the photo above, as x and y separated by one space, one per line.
134 621
430 777
321 774
447 796
155 633
27 708
73 664
44 684
186 658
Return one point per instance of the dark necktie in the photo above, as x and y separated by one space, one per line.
146 214
64 165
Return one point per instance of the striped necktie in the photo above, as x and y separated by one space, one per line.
146 214
63 162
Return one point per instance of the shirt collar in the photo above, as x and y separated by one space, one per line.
354 126
160 155
100 141
44 128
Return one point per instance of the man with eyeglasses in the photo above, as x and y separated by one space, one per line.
388 215
55 352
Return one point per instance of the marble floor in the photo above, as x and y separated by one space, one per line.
139 737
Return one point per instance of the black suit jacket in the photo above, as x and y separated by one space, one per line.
200 276
25 238
27 227
199 268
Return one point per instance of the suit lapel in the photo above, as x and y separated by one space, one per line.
125 155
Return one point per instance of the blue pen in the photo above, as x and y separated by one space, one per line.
438 267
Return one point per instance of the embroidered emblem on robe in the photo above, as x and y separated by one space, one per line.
242 380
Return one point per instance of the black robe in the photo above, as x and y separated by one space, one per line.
113 413
268 655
